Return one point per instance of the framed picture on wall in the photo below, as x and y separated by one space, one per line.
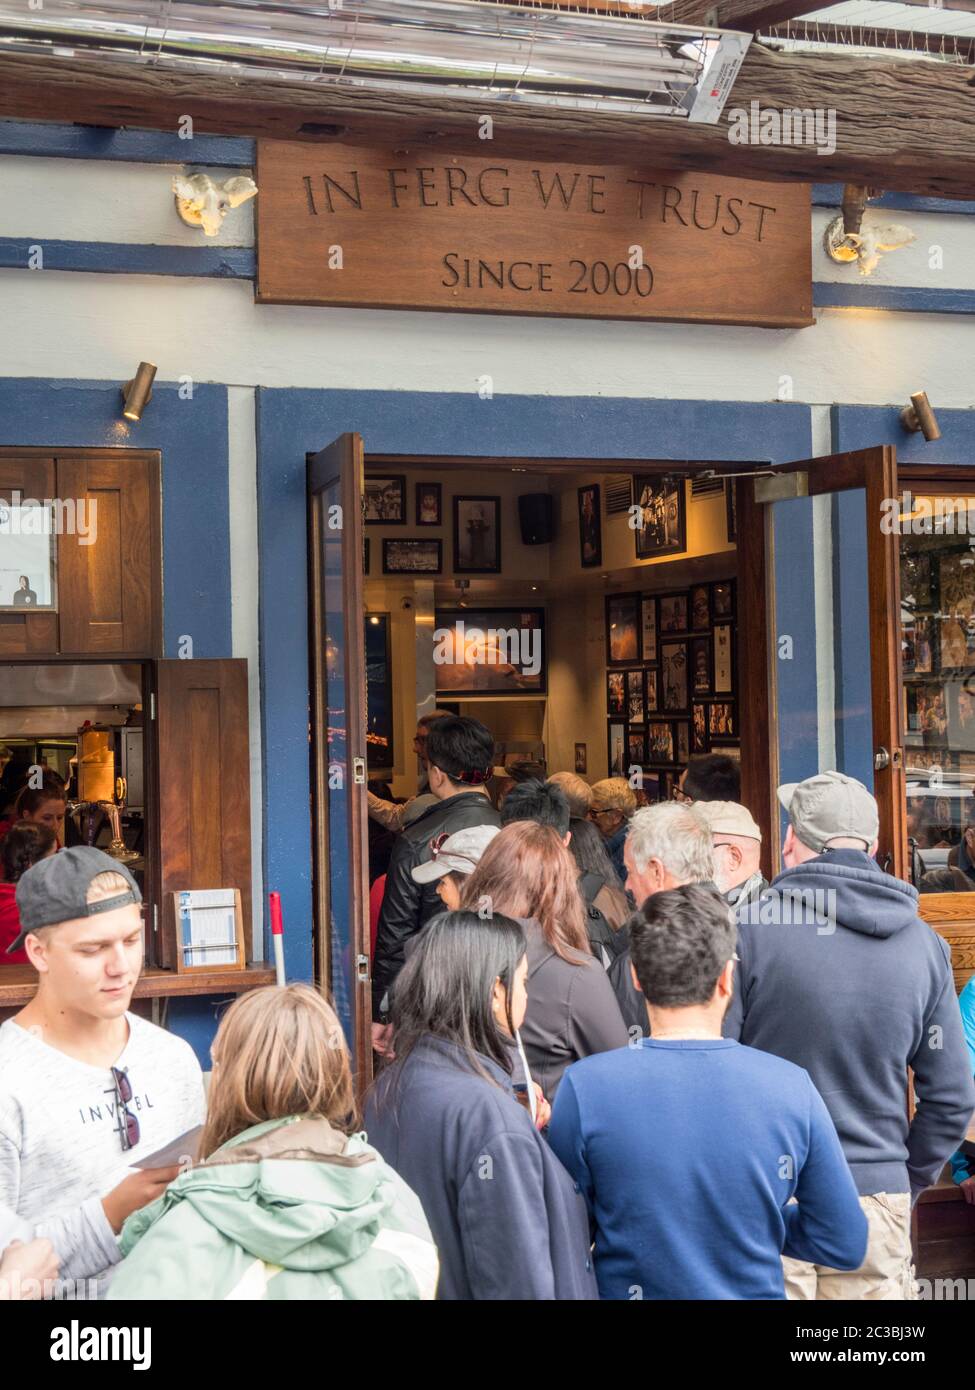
581 758
721 720
28 557
621 629
365 555
731 508
723 599
661 522
590 529
384 500
636 710
673 657
700 608
723 659
636 748
477 535
673 613
733 750
660 741
409 556
379 692
701 666
651 698
699 729
616 693
429 510
616 749
682 730
648 627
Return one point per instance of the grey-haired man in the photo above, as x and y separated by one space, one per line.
839 974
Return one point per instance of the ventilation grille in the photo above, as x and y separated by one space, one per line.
706 487
618 492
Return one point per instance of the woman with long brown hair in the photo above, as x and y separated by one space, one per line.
527 873
287 1203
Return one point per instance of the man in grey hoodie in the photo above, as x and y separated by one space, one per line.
839 975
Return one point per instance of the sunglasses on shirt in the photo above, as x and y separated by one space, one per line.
128 1124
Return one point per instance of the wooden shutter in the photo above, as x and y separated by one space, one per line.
109 591
24 634
203 770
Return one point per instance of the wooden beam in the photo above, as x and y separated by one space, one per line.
750 15
899 125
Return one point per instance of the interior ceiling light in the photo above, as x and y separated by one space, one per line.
498 53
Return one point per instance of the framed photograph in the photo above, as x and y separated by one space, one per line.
648 626
723 659
673 657
616 693
489 651
660 741
379 692
662 520
917 646
700 608
429 509
683 731
673 613
384 500
590 527
28 557
636 707
961 715
581 758
721 721
732 750
477 535
636 748
699 729
666 784
621 629
412 556
701 665
723 599
731 509
365 555
927 714
616 749
651 696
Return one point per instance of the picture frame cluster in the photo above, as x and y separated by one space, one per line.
476 527
670 678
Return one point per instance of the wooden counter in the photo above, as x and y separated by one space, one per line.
18 983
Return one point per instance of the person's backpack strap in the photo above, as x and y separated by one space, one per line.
590 885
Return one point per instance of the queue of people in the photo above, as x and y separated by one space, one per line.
667 1080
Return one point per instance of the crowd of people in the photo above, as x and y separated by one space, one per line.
612 1061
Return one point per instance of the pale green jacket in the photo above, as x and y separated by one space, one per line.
290 1209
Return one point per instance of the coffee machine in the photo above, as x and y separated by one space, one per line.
99 789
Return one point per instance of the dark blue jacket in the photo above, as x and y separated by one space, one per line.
507 1219
614 848
838 974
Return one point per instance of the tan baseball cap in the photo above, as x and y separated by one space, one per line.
828 807
729 818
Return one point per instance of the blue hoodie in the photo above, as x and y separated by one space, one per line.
856 996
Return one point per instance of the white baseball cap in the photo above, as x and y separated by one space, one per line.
459 853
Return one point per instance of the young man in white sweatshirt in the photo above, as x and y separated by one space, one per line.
87 1089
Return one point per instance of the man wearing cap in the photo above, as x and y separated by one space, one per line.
87 1089
459 760
838 974
737 843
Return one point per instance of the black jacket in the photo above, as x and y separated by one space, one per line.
408 906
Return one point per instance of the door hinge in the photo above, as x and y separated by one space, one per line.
362 969
359 772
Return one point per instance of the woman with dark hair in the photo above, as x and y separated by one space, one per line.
507 1221
22 846
527 873
598 881
44 805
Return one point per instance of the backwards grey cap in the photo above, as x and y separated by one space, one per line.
828 807
55 890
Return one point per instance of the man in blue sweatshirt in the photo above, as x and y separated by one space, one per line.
838 974
701 1160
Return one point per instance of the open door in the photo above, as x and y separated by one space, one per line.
834 632
338 739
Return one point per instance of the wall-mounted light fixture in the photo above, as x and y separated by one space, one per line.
919 416
137 393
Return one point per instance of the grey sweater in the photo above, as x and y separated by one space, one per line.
856 994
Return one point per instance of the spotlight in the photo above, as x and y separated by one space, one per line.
137 393
919 416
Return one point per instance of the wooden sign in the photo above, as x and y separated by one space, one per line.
383 229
